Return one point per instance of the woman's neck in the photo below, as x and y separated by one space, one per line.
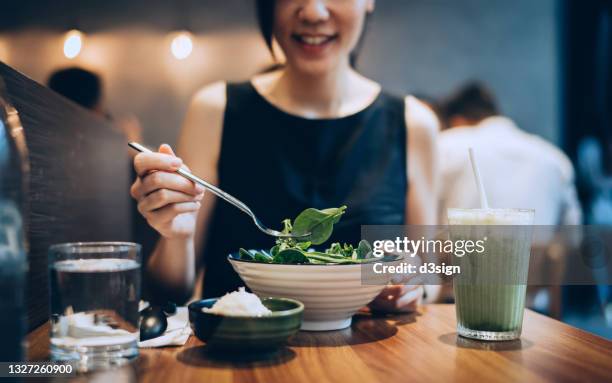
322 94
334 94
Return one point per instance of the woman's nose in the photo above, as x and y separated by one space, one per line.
313 11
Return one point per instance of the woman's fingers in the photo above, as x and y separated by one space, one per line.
135 189
167 149
393 292
163 197
396 298
408 280
167 213
410 299
165 180
157 171
148 162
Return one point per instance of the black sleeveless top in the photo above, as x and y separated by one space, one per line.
280 164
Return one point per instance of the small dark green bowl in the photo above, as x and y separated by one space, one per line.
247 334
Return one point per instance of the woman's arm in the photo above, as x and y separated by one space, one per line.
422 198
173 263
423 177
423 172
200 146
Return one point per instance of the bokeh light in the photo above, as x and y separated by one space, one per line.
181 45
73 43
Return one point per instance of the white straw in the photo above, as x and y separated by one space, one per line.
479 184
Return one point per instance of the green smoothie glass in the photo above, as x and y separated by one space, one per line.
490 290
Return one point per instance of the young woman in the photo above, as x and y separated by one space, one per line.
314 133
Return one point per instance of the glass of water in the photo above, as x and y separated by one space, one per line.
95 290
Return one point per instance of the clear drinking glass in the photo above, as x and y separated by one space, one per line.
95 290
490 290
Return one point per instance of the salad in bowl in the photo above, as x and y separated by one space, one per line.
328 282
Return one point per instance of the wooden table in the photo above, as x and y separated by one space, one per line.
421 347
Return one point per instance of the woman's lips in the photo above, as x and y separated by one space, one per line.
314 44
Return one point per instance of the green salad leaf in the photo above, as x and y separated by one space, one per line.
320 225
364 250
254 255
290 256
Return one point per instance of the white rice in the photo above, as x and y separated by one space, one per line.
239 303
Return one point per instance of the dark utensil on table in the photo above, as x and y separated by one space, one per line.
154 320
229 198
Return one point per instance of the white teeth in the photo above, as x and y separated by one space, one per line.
310 40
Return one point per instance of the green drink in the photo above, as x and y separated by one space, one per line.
490 290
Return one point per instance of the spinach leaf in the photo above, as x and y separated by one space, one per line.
244 254
316 261
329 258
345 250
255 255
290 256
364 250
287 228
262 256
335 248
304 246
327 255
333 258
319 223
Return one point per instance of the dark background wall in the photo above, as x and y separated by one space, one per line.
429 47
426 47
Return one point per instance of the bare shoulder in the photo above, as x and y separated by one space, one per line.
420 118
211 96
422 132
200 138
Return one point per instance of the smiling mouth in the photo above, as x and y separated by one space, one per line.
314 40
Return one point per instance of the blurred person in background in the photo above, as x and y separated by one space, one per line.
85 88
79 85
519 169
314 133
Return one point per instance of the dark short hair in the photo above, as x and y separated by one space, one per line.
473 101
265 20
79 85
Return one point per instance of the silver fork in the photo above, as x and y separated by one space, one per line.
226 196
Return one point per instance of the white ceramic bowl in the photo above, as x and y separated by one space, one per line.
331 294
